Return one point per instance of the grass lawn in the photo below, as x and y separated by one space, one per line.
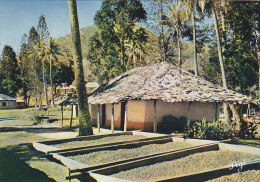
27 116
18 137
14 169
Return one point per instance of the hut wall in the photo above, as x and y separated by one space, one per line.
117 115
10 104
175 116
136 116
198 111
93 113
140 114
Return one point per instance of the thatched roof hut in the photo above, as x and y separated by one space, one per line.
162 81
158 96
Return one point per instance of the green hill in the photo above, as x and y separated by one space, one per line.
65 42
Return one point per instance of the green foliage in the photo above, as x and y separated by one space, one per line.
9 71
238 46
209 130
116 23
42 29
217 130
248 130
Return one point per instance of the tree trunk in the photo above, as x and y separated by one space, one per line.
219 48
84 116
123 54
36 94
235 116
258 58
194 43
220 60
179 49
44 84
52 98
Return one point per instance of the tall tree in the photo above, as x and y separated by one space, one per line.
44 34
9 71
84 116
42 29
176 19
24 64
116 21
156 22
33 43
51 54
191 6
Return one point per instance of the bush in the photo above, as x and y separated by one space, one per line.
248 130
215 130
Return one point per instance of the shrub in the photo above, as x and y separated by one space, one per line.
217 130
209 130
248 130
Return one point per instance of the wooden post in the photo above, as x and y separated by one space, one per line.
125 125
98 122
154 117
61 114
71 116
216 112
112 119
188 115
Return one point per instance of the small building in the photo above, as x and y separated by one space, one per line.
20 103
91 86
7 102
62 90
158 97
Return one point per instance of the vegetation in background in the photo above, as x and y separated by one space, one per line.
118 44
9 71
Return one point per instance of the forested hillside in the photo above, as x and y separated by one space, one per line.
65 44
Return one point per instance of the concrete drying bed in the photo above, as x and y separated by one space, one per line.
189 164
100 141
88 141
96 158
251 175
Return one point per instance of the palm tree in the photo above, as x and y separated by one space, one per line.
176 19
38 53
84 117
190 6
51 53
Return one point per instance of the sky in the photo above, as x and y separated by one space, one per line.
18 16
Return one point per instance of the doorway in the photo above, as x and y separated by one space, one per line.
122 124
103 114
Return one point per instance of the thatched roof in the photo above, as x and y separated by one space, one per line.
162 81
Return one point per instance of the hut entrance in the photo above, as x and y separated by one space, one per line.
122 115
103 114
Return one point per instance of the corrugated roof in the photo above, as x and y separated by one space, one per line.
6 97
162 81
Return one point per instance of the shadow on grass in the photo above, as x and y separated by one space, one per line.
13 166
